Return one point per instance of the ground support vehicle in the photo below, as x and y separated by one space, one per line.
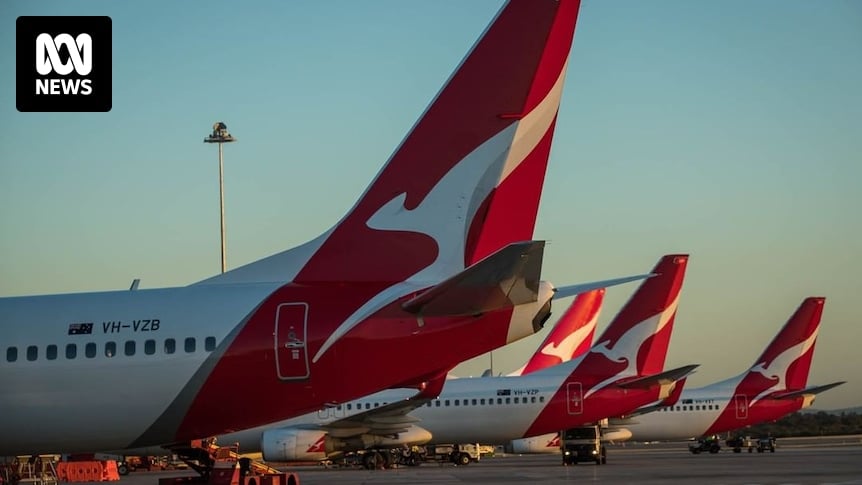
766 444
709 444
583 443
739 443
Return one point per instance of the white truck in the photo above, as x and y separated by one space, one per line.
583 443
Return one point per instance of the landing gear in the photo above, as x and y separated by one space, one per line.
375 460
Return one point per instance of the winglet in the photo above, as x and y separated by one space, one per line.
506 278
675 394
670 400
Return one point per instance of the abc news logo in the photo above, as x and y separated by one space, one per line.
63 63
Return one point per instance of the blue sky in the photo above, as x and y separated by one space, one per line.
728 130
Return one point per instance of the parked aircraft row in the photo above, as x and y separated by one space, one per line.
775 385
567 384
438 253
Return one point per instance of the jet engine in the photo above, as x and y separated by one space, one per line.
546 443
290 444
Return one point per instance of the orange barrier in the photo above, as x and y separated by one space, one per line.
87 471
109 471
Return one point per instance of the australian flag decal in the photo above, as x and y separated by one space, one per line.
80 328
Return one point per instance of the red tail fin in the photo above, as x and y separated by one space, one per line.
788 356
466 180
655 298
571 336
511 209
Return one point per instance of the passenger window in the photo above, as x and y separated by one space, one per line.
499 400
209 344
368 405
482 401
541 398
446 402
508 400
129 348
32 353
437 404
90 350
150 347
377 404
190 344
11 354
533 399
516 400
170 346
456 402
110 349
51 352
474 402
71 351
349 406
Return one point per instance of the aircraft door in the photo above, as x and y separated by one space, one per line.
575 397
291 347
740 403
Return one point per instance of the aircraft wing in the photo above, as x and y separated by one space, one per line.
662 378
807 390
506 278
388 419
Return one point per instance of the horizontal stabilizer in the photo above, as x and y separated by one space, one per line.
807 390
504 279
663 378
572 290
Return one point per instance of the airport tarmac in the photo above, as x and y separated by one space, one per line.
802 462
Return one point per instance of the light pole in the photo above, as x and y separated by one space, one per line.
220 135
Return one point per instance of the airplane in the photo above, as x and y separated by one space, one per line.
436 254
774 386
608 380
570 337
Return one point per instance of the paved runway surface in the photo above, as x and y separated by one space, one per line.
797 462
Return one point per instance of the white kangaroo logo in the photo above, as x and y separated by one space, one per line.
463 189
777 369
566 347
625 349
